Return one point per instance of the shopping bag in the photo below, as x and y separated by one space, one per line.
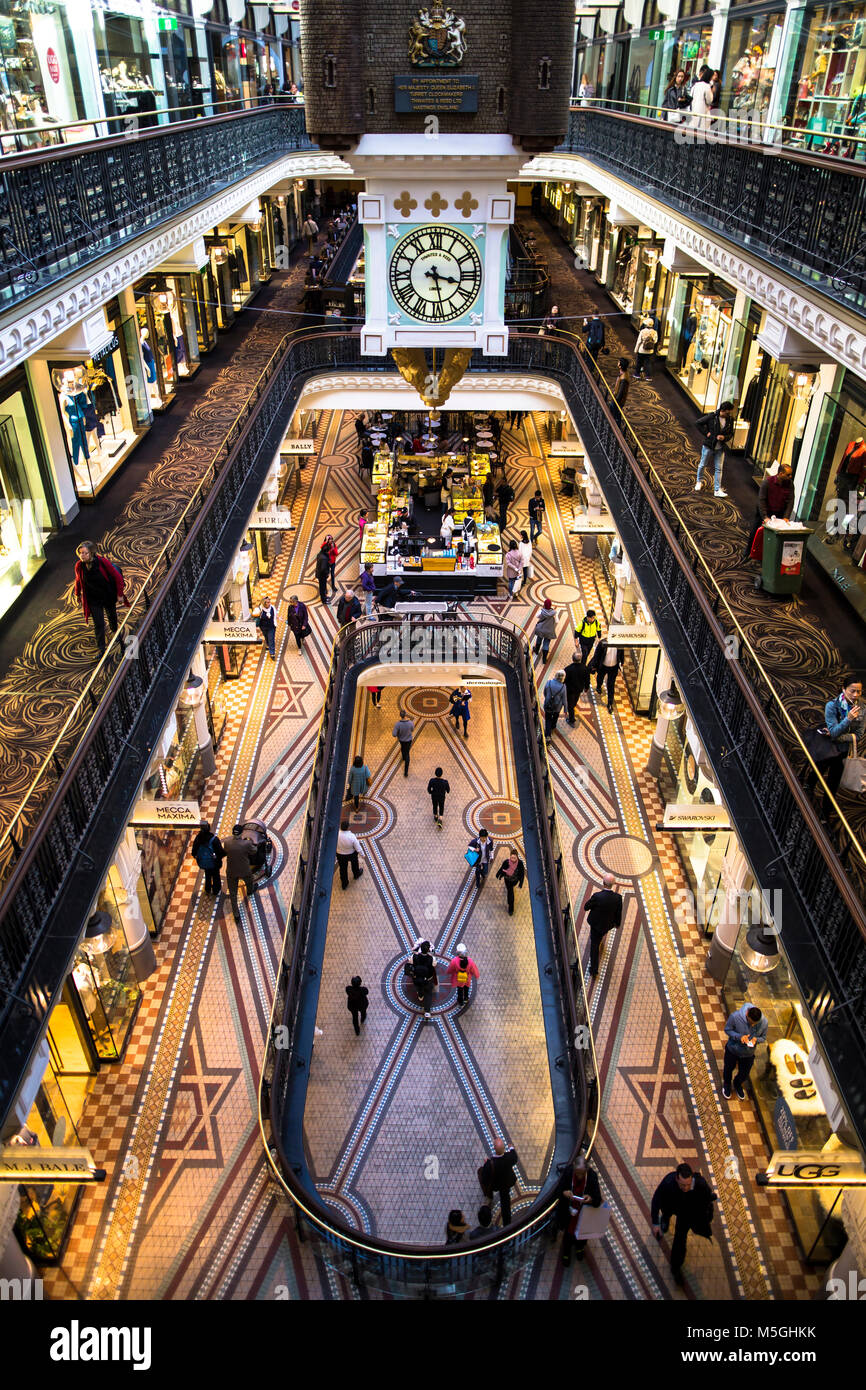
472 857
531 569
592 1222
757 550
854 776
517 586
820 746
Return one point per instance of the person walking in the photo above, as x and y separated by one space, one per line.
348 609
209 854
554 702
361 425
603 912
239 855
357 998
362 522
513 566
310 230
676 100
844 720
645 348
446 530
775 498
348 849
99 587
333 552
360 778
594 329
536 515
323 569
745 1029
505 496
702 99
459 699
424 975
587 633
438 789
576 684
606 664
376 695
525 548
482 845
716 428
368 588
266 622
577 1188
404 731
620 386
461 971
497 1177
298 620
545 629
686 1195
512 872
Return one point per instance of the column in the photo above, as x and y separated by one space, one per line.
730 371
123 877
788 45
735 871
718 36
192 698
240 591
667 712
594 507
623 575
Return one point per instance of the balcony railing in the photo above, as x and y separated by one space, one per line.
63 209
404 1268
800 213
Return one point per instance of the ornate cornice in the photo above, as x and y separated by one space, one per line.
838 337
45 316
487 383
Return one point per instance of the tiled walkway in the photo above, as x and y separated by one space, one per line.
188 1210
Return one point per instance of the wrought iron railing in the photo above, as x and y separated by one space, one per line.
61 210
800 213
402 1268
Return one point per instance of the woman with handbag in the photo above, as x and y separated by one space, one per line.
513 568
676 98
844 721
360 777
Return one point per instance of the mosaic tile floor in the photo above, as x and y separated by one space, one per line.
188 1211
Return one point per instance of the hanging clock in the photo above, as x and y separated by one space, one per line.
435 274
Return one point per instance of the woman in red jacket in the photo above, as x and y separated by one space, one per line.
333 552
98 587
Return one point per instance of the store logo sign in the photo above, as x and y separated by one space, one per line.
814 1168
53 65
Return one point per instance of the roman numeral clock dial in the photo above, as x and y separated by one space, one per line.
435 274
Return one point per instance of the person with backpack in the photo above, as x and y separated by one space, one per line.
594 329
645 348
512 872
266 622
360 778
438 788
462 970
357 997
587 633
554 702
687 1196
323 569
99 587
497 1176
423 972
482 846
209 854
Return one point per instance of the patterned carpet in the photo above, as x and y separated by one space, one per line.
188 1211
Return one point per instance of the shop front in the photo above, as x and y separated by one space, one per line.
778 412
225 69
652 286
186 72
169 309
28 510
833 496
234 256
40 83
130 72
692 50
709 352
827 97
629 267
175 774
752 50
647 71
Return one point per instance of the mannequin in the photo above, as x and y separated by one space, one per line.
852 466
147 354
74 419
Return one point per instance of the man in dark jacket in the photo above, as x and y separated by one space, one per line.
606 663
505 494
687 1196
239 854
604 912
576 682
578 1187
554 702
392 592
98 586
536 515
356 1002
323 569
424 975
208 853
497 1174
594 330
298 620
348 608
716 429
775 498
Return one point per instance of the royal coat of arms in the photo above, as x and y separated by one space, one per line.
436 38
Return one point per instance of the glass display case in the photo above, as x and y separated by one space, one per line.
105 983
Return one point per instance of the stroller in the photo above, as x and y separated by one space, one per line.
263 862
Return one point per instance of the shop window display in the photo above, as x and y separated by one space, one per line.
692 50
159 352
828 96
126 67
39 79
105 983
701 323
749 66
225 67
103 411
625 273
27 511
834 496
174 320
784 399
46 1210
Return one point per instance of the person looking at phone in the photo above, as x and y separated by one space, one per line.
745 1029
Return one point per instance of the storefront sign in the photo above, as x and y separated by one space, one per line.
271 521
591 526
183 815
435 92
53 64
27 1165
106 351
632 635
297 446
565 449
784 1124
792 557
814 1168
696 816
656 35
165 23
247 634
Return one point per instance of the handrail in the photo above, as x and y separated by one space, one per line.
356 643
719 598
737 127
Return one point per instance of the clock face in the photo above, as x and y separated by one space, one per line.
435 274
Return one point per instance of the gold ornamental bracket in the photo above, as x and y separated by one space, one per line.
433 387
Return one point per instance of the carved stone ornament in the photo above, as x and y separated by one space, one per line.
433 388
436 38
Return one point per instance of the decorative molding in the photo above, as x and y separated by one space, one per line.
484 383
822 323
46 316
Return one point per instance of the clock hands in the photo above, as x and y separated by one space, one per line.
437 276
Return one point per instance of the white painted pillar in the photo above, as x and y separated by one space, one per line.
123 877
